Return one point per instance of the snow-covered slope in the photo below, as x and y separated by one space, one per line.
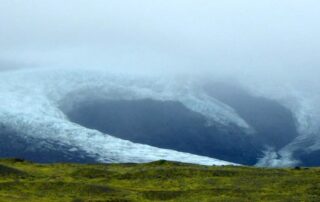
31 103
34 104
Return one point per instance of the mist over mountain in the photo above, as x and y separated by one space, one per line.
124 81
75 115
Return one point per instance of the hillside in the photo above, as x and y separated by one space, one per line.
158 181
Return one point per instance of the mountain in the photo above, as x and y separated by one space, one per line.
49 115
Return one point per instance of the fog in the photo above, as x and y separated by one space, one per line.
247 38
270 47
263 43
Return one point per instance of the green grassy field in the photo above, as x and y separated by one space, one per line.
157 181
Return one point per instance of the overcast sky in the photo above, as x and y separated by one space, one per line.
265 38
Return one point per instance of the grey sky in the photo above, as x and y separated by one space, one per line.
232 37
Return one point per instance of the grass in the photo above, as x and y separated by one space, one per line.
157 181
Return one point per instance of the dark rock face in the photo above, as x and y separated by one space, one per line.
168 124
308 158
274 124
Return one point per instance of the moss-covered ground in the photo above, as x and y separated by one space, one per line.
157 181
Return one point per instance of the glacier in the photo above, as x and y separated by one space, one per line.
303 101
34 103
31 103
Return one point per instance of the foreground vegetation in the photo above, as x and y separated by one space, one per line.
157 181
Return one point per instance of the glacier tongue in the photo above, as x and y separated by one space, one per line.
30 101
302 101
103 147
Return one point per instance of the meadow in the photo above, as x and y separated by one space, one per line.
157 181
